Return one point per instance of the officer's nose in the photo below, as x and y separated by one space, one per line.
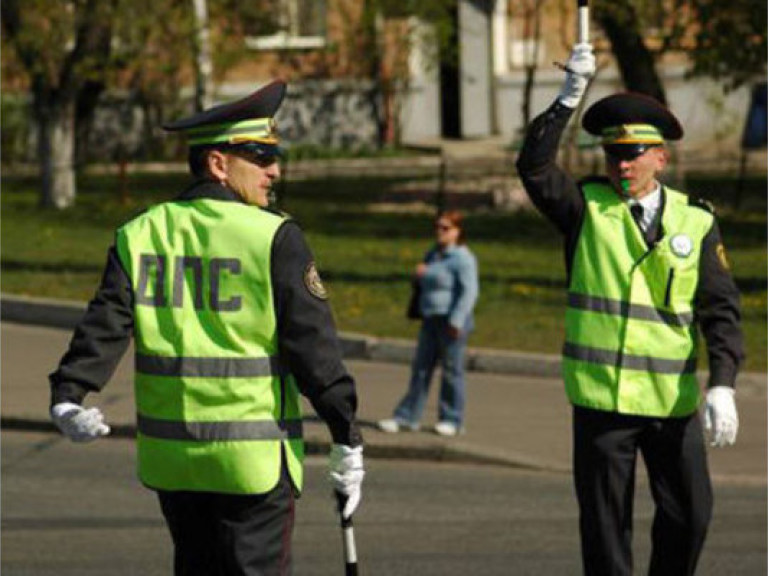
273 170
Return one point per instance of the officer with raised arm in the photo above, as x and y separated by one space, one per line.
231 323
646 272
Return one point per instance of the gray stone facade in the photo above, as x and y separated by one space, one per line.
316 113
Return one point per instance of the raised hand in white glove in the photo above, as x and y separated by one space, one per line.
346 474
720 416
78 423
579 69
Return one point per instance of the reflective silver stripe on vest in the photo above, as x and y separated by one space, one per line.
211 431
197 367
627 310
644 363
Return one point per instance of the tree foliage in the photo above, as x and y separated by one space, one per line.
722 39
730 40
60 44
68 51
64 48
622 22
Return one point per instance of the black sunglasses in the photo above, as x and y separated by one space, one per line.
626 152
259 159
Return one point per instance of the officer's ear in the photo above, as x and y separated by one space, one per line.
216 165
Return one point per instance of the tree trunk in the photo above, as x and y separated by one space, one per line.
85 112
619 20
203 62
56 150
372 24
531 35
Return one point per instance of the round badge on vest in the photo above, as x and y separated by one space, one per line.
681 245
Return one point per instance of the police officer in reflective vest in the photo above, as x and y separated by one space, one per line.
231 323
646 271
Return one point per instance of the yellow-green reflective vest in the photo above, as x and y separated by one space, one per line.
214 409
631 338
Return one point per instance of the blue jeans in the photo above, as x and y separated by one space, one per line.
435 343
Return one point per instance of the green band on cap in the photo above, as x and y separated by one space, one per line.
632 134
258 130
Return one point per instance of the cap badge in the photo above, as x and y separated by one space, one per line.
632 134
272 128
681 245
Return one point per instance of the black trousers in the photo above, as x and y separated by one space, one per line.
605 454
231 535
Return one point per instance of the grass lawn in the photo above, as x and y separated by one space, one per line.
365 257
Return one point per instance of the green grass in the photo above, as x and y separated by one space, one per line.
365 257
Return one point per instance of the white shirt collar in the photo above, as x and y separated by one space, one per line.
651 203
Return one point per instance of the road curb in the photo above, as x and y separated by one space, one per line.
315 446
41 311
65 314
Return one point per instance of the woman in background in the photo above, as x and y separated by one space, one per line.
449 287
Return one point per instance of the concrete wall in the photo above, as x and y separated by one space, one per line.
420 112
341 114
332 114
475 68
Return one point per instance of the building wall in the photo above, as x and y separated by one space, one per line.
347 114
475 69
329 114
330 104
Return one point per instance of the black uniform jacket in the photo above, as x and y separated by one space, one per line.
559 198
308 344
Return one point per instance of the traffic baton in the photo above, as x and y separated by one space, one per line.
348 538
582 33
582 29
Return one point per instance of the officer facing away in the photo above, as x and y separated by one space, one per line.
231 322
646 270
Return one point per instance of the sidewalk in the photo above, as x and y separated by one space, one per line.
517 414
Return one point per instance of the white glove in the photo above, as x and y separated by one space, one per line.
346 465
720 413
78 423
579 69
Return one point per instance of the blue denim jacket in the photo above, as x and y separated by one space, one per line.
449 286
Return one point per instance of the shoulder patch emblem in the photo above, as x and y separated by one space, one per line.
720 250
313 283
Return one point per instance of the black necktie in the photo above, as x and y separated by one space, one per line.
637 215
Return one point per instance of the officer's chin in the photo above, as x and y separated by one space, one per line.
267 197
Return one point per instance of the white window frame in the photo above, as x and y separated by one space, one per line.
289 38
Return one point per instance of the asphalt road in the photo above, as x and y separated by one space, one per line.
78 510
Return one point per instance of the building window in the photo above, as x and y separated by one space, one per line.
297 24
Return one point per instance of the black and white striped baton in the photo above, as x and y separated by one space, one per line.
348 538
582 33
582 29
